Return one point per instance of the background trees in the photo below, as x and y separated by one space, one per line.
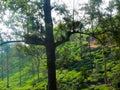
32 22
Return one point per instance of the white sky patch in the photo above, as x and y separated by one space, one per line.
6 16
71 5
6 32
3 27
76 5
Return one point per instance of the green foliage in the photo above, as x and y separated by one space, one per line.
100 87
79 67
72 80
73 73
61 30
116 77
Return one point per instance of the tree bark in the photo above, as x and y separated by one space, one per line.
50 51
7 70
20 77
2 67
105 66
38 67
50 46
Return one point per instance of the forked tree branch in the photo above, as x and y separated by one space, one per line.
64 39
67 37
28 40
38 41
34 40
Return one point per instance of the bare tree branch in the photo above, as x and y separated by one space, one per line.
11 42
67 38
64 39
28 40
38 41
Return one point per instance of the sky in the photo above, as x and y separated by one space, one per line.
70 3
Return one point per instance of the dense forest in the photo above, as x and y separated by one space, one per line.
59 45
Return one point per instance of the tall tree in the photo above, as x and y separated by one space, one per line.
50 43
47 39
7 48
2 63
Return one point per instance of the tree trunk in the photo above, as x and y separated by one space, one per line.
2 65
50 51
105 67
20 71
38 67
50 46
7 70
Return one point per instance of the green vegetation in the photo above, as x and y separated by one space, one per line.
73 72
73 53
